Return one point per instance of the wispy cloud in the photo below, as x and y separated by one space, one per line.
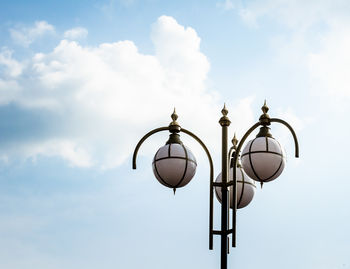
317 41
329 67
66 149
226 5
298 15
76 33
24 36
13 67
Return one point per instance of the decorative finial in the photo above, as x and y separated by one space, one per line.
224 120
234 141
174 117
261 184
265 108
174 190
265 121
224 111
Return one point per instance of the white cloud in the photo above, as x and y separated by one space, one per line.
10 69
317 41
283 134
226 5
177 49
108 8
298 14
9 90
105 98
24 36
248 17
13 67
242 117
289 115
76 33
330 66
68 150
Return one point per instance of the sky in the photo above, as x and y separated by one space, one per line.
82 81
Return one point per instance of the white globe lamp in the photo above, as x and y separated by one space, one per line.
245 188
262 158
174 165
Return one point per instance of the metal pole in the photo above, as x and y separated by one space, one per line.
224 122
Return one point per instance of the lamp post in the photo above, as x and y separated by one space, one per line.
263 160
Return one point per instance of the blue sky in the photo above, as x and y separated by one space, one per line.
82 81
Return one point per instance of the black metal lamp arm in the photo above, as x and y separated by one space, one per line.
211 167
234 182
235 159
296 144
134 156
256 125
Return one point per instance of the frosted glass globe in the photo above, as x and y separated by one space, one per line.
174 165
263 159
245 188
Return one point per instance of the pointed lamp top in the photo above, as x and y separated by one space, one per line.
234 141
224 111
265 108
174 117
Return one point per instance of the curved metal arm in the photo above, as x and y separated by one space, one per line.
211 166
234 182
229 159
293 133
205 149
143 140
211 205
235 157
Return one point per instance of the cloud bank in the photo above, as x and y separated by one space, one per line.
90 105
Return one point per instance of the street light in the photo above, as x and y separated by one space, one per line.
263 160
